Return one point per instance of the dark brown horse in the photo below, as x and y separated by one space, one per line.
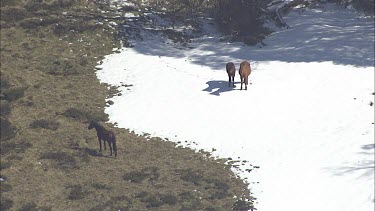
231 70
245 71
105 135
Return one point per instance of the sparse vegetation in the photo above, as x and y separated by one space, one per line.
62 160
5 204
85 115
46 124
49 90
13 94
7 130
76 192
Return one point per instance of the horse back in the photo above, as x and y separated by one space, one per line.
231 70
245 69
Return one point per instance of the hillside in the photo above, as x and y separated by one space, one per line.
49 92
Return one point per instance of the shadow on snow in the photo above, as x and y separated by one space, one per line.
366 167
218 87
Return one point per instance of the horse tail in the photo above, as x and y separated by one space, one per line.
114 145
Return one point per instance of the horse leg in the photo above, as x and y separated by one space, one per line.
233 80
110 147
229 80
105 147
100 144
241 82
246 82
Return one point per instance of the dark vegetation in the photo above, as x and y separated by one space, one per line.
48 93
243 20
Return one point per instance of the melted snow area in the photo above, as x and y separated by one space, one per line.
305 119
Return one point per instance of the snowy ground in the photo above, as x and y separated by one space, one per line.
306 119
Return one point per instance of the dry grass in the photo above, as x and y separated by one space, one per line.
50 161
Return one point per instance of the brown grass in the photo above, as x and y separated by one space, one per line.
50 161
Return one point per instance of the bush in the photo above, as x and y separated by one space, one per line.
5 187
4 165
5 108
13 14
169 199
138 176
85 115
62 67
63 160
4 83
46 124
191 176
5 204
135 176
101 186
10 146
14 93
33 23
240 205
31 206
76 192
7 131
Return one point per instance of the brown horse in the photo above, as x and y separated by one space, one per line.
105 135
245 71
231 70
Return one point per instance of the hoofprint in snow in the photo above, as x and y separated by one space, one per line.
306 119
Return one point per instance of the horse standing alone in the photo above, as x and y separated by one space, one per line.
244 71
105 135
231 70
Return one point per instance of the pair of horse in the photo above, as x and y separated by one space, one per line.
105 135
244 72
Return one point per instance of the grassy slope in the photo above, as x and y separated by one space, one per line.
53 163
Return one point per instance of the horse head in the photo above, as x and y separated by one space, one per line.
93 124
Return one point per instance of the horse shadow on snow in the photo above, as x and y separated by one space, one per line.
216 87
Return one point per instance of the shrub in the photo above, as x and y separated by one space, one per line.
4 165
33 23
4 83
240 205
190 176
13 14
7 131
135 176
31 206
46 124
85 115
101 186
62 67
5 204
169 199
5 187
76 192
138 176
14 93
10 146
152 201
5 108
63 160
